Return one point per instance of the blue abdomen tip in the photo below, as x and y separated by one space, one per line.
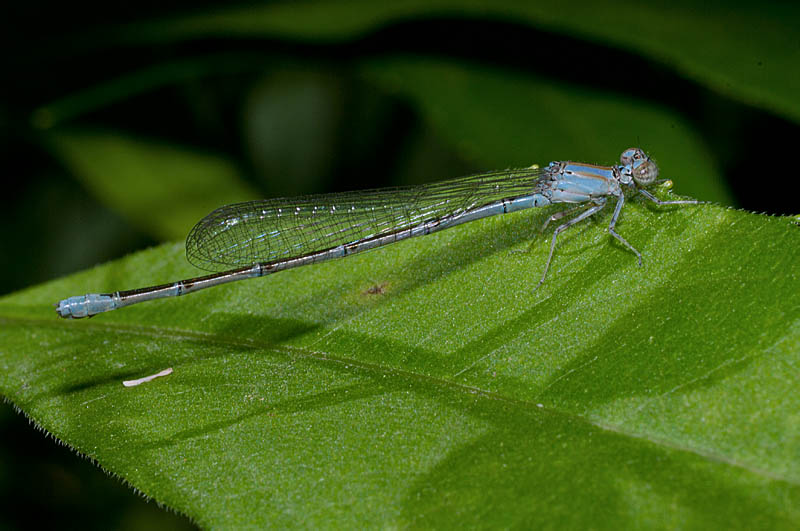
85 306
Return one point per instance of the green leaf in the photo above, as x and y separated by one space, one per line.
163 189
429 384
746 50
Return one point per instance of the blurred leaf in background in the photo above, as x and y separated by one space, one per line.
121 128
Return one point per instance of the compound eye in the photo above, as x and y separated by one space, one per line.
630 155
645 173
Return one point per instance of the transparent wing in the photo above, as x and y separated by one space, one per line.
277 229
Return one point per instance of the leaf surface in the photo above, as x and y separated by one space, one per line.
429 384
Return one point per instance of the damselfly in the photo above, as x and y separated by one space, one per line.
257 238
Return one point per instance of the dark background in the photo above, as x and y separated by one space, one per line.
327 130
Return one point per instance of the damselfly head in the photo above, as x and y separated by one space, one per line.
639 166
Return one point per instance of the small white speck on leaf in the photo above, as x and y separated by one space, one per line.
139 381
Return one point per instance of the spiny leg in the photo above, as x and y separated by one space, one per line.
652 198
659 202
597 207
617 210
560 214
